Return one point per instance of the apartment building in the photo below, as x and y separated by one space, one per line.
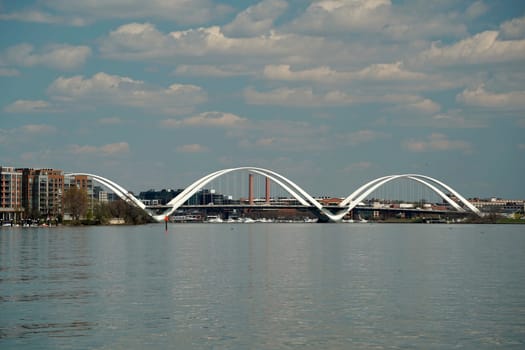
10 194
36 192
42 191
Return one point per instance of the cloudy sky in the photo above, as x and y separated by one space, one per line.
329 93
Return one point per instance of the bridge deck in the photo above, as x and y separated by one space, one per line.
277 207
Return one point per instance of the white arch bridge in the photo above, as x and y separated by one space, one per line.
330 214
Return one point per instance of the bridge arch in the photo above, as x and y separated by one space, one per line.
288 185
349 203
362 192
120 191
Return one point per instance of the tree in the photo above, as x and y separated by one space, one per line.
129 213
118 208
76 202
102 212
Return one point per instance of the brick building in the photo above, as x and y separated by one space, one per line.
10 194
42 191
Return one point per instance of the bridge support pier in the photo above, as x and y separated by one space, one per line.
322 217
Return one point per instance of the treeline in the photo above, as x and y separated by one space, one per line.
83 210
103 212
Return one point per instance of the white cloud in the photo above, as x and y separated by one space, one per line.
103 89
283 135
425 106
412 24
320 74
204 70
257 19
358 166
283 144
452 120
344 15
363 136
123 91
38 129
28 106
26 134
514 29
39 16
9 72
191 148
307 97
325 74
300 97
137 41
105 150
437 142
62 57
403 22
207 119
476 9
479 97
484 47
521 146
388 71
81 13
100 84
140 41
143 40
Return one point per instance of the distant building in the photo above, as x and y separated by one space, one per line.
82 182
112 197
498 205
10 194
152 197
206 197
100 195
42 191
330 201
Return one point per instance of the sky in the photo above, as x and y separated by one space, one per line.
330 93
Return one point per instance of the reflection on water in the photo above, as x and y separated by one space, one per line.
71 329
263 286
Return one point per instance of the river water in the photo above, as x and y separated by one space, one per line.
263 286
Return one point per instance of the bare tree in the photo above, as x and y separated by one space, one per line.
76 202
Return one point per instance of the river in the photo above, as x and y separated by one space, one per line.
263 286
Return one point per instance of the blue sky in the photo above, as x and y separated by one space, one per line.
329 93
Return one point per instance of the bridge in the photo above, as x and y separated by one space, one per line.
325 213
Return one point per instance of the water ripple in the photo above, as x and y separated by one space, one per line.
263 287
